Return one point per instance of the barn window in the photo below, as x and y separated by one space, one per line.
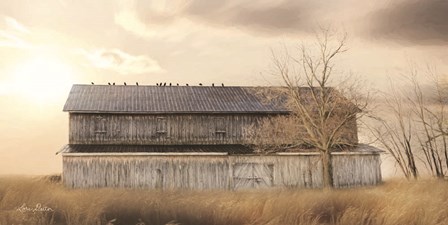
100 125
220 127
161 125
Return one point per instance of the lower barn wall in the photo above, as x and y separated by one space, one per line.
215 171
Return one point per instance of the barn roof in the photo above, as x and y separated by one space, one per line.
176 99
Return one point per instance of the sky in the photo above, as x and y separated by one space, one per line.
46 46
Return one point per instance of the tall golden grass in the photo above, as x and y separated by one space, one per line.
393 203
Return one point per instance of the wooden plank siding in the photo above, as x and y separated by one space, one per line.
171 129
163 129
202 171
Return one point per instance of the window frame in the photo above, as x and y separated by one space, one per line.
100 126
220 127
161 125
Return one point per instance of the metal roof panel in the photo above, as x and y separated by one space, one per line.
175 99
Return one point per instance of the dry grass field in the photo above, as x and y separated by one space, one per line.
38 201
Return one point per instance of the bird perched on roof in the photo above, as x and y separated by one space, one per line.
108 83
124 83
200 84
164 84
177 84
222 84
187 85
136 83
113 83
170 84
213 84
92 83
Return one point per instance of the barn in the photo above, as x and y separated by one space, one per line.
190 137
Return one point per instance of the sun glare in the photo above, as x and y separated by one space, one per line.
43 79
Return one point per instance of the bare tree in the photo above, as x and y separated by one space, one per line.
396 137
275 134
322 110
417 130
429 110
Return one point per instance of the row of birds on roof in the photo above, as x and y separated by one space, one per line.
162 84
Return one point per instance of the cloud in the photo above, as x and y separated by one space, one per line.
130 22
264 16
11 40
148 18
175 30
14 24
412 21
12 33
419 22
122 62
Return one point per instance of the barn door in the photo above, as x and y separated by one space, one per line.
252 175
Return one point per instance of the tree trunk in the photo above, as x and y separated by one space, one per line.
327 170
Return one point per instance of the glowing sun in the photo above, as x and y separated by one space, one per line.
43 79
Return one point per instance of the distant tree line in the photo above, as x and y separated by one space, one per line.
416 133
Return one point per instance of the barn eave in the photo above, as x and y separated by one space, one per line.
177 112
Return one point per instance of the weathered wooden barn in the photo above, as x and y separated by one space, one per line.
190 137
